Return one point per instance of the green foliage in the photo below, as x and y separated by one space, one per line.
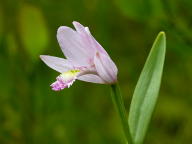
141 10
146 91
34 33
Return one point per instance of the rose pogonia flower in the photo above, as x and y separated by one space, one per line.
86 59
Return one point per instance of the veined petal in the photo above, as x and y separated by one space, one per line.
79 27
86 32
86 36
59 64
106 68
75 46
91 78
71 44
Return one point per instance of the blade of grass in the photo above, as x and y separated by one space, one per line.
146 91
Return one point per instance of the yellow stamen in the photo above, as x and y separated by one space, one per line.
68 75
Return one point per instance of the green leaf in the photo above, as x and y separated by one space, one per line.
146 91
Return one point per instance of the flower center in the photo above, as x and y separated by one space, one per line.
68 75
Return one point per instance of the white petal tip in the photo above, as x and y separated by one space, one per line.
62 29
87 30
42 57
75 22
79 27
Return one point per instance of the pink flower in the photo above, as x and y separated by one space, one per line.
86 59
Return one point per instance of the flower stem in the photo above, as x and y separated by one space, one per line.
118 101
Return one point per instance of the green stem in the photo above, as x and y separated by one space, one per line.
118 101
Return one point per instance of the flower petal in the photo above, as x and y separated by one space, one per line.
86 32
59 64
64 80
79 27
91 78
75 46
106 68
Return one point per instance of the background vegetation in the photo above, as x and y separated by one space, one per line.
31 113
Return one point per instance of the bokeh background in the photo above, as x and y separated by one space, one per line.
31 113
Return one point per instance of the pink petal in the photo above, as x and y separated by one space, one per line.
58 64
79 27
75 46
106 68
86 32
60 84
87 37
91 78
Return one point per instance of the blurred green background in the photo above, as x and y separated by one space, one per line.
31 113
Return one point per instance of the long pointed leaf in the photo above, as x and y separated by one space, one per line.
146 91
